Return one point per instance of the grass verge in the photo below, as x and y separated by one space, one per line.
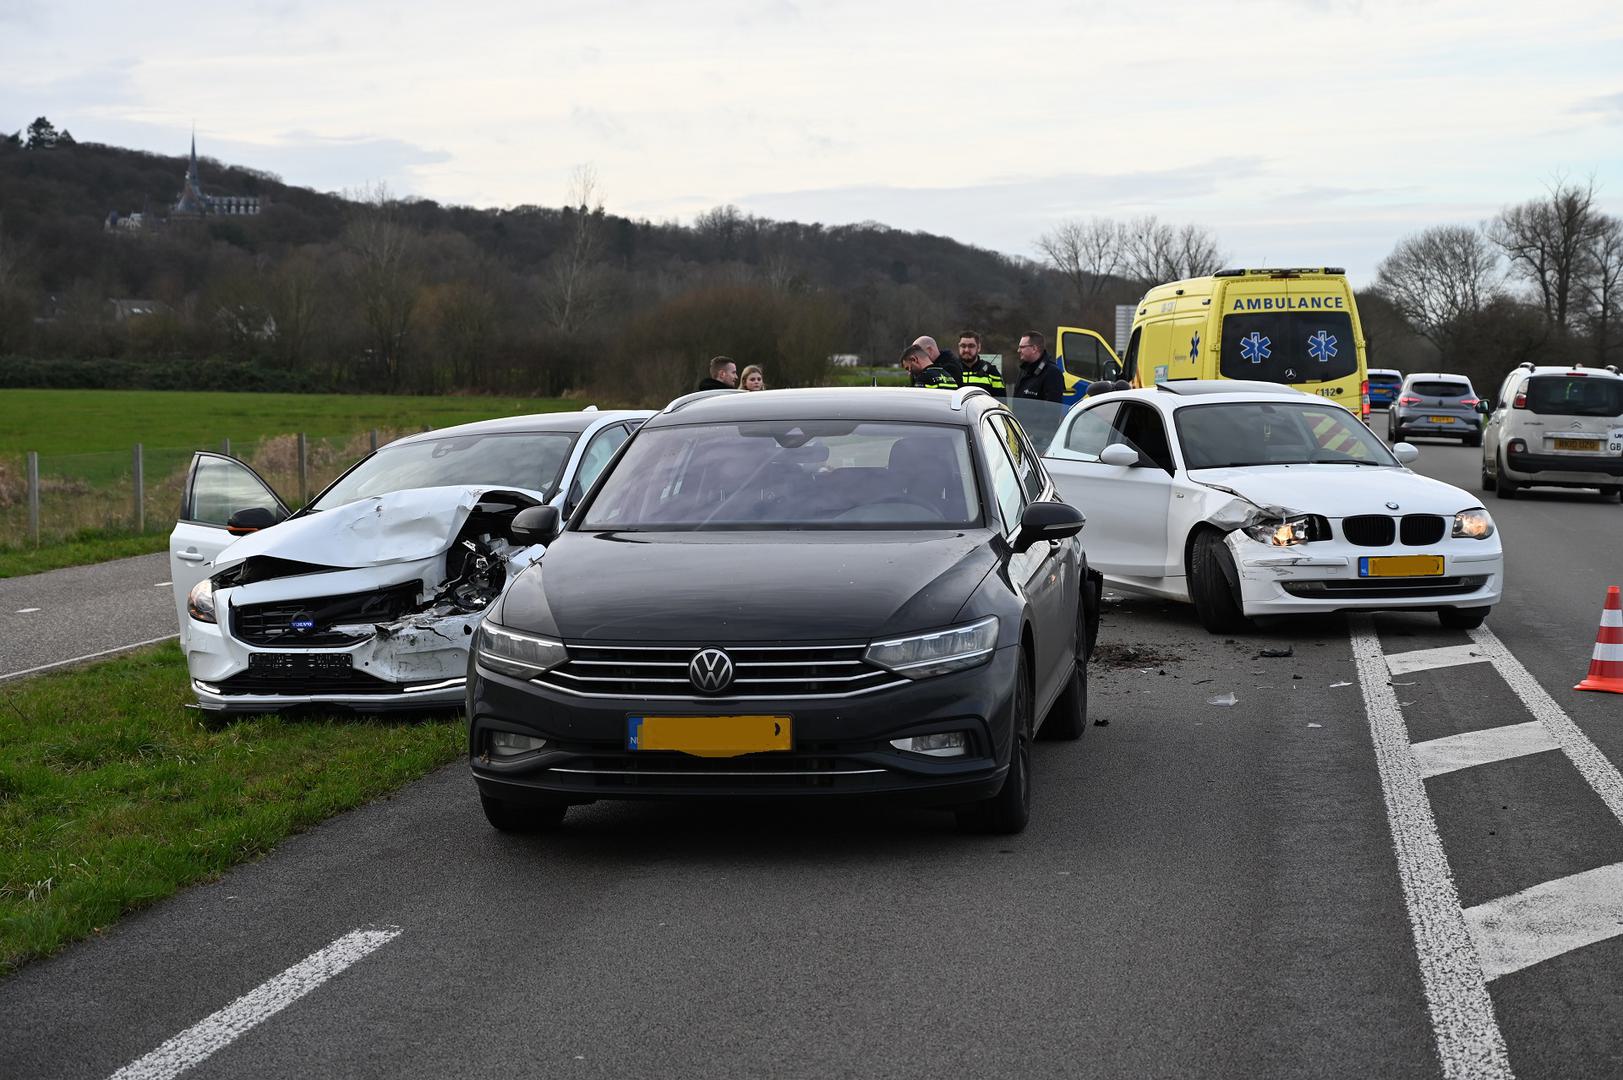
113 795
87 547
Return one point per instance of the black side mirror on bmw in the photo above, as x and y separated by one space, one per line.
536 525
1048 521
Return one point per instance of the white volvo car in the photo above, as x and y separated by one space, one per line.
1253 499
368 598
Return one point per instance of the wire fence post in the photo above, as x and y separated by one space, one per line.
304 471
138 474
33 496
374 439
228 446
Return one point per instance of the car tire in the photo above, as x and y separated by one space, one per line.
1007 812
522 818
1465 618
1067 718
1489 483
1506 488
1472 440
1214 586
1610 491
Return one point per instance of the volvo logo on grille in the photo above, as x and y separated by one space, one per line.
711 670
302 623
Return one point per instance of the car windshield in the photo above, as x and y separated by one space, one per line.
1440 389
1288 346
790 474
1575 395
1377 379
528 460
1221 436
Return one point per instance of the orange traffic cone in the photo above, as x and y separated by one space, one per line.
1606 668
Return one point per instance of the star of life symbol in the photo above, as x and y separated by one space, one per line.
1194 347
1321 346
1255 348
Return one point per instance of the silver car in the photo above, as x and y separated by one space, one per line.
1438 405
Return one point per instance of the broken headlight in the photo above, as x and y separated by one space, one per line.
1288 532
1473 525
523 656
200 601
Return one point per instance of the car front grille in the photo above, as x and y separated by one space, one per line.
1368 530
1377 530
271 625
1376 588
799 671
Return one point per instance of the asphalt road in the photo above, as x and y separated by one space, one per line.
51 618
1271 889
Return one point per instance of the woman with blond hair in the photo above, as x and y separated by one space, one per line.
752 378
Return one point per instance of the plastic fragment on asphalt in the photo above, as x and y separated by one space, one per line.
1276 654
1224 700
1335 685
1315 725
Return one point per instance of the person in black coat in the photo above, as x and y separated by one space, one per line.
723 374
1040 377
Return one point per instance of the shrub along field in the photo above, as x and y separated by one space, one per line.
113 795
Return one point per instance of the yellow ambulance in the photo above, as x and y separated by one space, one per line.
1298 327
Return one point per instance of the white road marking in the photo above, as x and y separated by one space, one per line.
27 610
1426 659
1454 752
1597 770
87 656
1469 1043
161 584
213 1032
1551 918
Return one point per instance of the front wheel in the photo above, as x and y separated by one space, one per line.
1463 618
1007 812
1611 491
1214 586
1472 440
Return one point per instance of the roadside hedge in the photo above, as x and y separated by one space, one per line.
208 373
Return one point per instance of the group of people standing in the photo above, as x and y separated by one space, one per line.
724 375
1040 377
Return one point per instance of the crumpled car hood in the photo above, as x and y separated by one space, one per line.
402 526
1339 490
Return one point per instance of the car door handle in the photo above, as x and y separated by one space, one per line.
189 556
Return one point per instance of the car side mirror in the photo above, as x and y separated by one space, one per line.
251 520
536 525
1048 521
1484 408
1406 453
1119 454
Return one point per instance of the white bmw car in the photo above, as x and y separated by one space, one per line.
1253 499
368 598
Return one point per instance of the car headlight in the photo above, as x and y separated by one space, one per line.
1473 524
200 601
1287 532
523 656
924 655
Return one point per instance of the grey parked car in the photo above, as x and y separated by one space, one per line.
1435 404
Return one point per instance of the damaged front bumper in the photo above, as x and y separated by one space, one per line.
1276 581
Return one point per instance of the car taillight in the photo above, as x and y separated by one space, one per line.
1520 402
1407 400
1471 401
1517 446
1363 398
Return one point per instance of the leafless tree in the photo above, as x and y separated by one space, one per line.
1439 277
1603 284
574 286
1086 253
1546 241
1155 251
295 301
384 276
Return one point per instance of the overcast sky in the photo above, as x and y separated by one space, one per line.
1303 132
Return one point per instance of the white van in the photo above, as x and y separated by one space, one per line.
1555 427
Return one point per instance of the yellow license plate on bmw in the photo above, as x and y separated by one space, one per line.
1400 566
709 736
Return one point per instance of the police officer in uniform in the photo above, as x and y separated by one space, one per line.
1040 377
978 372
922 371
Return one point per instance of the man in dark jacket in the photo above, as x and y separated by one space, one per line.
947 363
1040 377
723 374
922 371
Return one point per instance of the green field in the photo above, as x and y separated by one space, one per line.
88 421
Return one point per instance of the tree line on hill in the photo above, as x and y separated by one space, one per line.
371 292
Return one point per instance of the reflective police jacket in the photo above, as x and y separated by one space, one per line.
985 375
934 378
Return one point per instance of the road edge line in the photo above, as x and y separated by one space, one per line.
86 656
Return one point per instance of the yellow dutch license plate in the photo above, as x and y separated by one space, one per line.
709 736
1400 566
1588 446
1441 419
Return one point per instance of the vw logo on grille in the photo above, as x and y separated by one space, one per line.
711 670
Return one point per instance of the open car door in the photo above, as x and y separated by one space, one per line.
216 487
1085 358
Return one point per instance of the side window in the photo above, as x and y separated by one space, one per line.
1142 429
1082 357
598 452
1091 431
221 487
1026 466
1006 489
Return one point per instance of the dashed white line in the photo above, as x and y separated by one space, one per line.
1454 752
1427 659
86 656
1469 1043
259 1004
1551 918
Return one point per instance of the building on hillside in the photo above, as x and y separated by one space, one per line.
125 223
194 202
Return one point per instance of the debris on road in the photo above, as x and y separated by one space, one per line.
1336 685
1276 654
1224 700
